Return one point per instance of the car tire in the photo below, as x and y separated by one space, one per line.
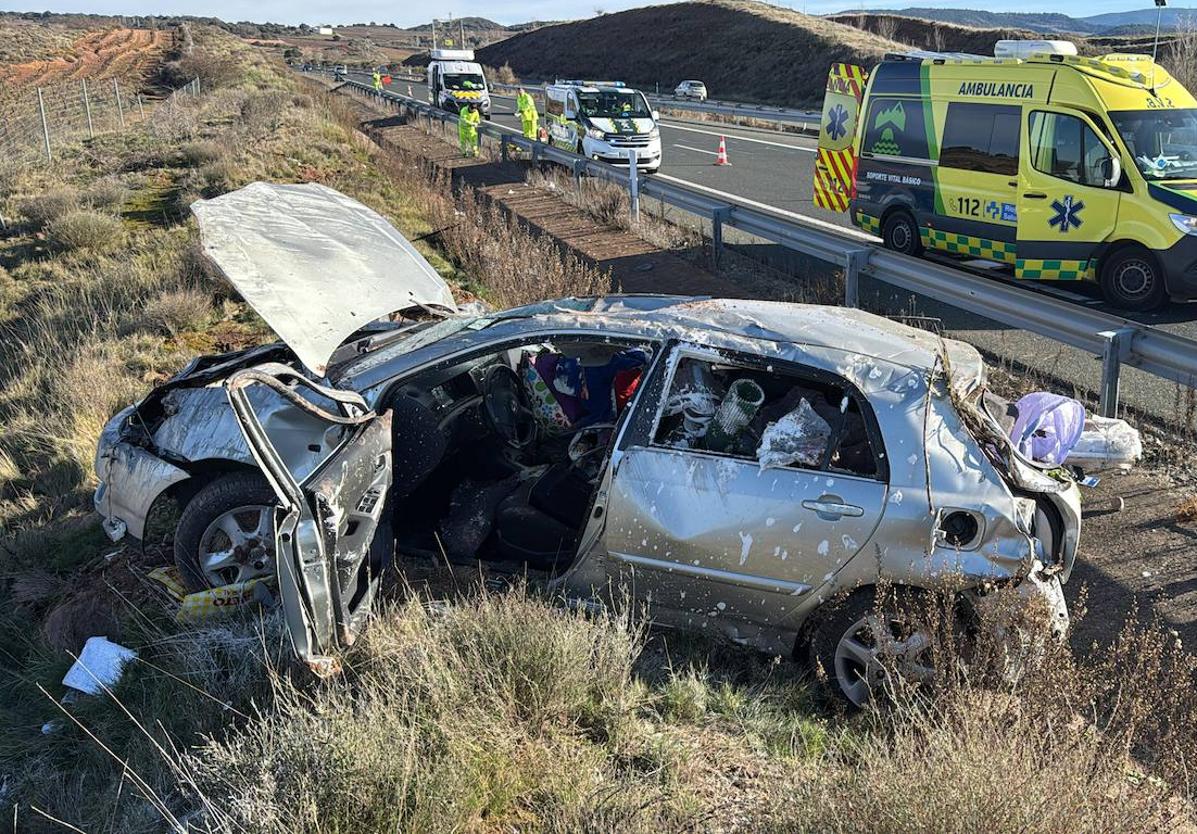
900 233
1131 279
235 496
843 629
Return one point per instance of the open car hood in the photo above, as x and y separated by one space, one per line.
316 265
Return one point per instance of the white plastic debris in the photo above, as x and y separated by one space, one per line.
1106 443
99 665
799 437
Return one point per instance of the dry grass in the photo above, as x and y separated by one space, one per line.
49 206
84 230
1187 512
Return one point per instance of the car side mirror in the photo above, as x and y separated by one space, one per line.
656 115
1111 171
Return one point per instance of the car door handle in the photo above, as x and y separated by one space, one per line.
1013 183
1035 195
833 508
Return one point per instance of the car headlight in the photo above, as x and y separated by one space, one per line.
1186 223
655 133
595 133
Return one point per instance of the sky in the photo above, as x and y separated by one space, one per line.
407 13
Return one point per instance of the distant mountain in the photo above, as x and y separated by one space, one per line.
1047 22
1173 18
472 24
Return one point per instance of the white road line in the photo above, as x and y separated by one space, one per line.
736 137
848 230
697 150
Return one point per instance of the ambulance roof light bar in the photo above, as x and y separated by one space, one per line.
582 83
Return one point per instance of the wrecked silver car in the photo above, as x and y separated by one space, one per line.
748 468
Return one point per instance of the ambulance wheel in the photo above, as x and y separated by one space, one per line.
226 532
901 234
1131 280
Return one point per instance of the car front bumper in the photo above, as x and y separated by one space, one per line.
648 156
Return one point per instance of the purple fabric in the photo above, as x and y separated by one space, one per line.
1048 426
546 365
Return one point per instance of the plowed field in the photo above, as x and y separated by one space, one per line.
117 53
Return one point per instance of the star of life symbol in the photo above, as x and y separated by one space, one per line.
837 125
1067 214
993 209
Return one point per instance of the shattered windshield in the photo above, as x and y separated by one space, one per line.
1163 142
614 104
464 81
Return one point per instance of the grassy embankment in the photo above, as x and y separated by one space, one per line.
489 712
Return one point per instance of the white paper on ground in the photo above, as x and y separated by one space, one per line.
100 662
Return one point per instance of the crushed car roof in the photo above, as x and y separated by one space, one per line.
315 264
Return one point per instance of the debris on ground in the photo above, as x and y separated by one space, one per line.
204 605
99 666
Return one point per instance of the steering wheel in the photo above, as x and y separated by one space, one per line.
505 407
587 448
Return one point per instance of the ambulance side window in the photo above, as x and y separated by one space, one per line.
981 137
895 127
1065 147
554 106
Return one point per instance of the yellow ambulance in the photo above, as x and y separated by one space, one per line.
1063 167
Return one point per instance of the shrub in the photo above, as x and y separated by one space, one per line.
262 112
212 70
176 311
83 230
107 194
218 178
49 206
200 153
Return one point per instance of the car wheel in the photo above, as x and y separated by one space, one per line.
901 234
1131 280
859 642
226 532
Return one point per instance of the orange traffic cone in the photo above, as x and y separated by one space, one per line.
721 159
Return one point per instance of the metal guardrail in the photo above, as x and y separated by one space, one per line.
804 118
1117 340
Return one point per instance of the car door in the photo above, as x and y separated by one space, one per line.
326 524
702 536
1066 206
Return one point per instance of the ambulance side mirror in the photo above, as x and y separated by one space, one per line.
656 115
1111 171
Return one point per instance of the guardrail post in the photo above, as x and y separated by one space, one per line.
717 217
503 147
1115 352
633 186
41 106
854 262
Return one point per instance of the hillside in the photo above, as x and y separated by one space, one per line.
1111 23
763 53
933 35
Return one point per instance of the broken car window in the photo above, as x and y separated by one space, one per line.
775 419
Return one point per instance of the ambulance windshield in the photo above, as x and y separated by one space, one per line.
1163 142
464 81
611 104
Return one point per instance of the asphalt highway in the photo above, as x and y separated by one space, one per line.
775 170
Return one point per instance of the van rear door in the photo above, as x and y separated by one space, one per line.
835 164
1065 209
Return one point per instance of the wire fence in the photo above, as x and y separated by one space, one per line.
36 123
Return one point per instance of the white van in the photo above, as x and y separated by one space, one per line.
455 81
603 120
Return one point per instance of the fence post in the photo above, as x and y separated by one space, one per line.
41 106
503 147
91 133
140 107
717 218
633 185
1114 353
854 262
120 108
